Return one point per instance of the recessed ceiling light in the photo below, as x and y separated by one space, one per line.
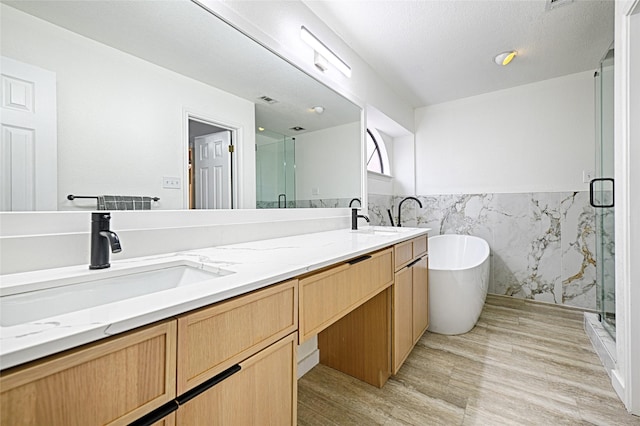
318 109
505 57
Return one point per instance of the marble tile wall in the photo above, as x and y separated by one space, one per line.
308 204
542 244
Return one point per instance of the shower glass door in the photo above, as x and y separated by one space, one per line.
602 196
275 170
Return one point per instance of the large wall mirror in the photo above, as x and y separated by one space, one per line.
162 105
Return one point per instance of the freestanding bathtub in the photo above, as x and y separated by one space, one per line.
458 282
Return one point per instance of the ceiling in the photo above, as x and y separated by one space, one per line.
433 51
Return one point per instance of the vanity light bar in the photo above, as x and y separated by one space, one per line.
324 52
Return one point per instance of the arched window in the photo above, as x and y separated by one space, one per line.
377 160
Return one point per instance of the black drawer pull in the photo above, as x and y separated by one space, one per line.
190 394
157 414
417 260
359 259
413 263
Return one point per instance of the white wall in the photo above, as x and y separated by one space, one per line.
537 137
327 163
99 86
404 165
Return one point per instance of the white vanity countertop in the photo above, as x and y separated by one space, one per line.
254 265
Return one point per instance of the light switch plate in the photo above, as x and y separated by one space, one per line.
171 182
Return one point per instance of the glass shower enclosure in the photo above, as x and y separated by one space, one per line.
275 170
602 196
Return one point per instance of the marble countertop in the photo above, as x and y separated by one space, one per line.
253 265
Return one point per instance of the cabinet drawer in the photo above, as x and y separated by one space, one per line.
409 250
114 381
327 296
214 338
419 246
263 392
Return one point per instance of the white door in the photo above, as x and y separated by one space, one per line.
28 150
213 171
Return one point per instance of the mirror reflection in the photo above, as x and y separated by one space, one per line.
162 100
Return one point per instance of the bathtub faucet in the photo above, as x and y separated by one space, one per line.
400 207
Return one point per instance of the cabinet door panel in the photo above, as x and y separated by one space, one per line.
263 392
420 298
403 317
109 382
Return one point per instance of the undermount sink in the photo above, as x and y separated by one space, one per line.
380 230
96 289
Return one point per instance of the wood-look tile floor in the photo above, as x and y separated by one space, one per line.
523 364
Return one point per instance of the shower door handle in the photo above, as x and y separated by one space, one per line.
280 198
592 197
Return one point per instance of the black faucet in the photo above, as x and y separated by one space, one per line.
400 207
390 217
355 199
354 218
102 240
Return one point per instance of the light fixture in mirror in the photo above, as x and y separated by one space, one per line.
129 78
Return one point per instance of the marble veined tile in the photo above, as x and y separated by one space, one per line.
542 244
578 255
377 209
527 246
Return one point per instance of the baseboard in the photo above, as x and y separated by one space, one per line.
618 384
602 342
308 362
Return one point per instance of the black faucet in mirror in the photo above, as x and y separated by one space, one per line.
400 207
355 199
103 240
354 218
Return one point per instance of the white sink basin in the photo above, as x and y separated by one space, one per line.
380 230
96 288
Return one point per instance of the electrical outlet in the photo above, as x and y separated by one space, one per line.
171 182
587 175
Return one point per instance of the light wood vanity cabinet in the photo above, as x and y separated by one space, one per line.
329 295
234 362
161 367
410 298
114 381
349 307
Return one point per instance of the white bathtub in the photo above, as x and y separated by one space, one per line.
458 282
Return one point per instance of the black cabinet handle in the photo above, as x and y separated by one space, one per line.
359 259
190 394
592 193
413 263
173 405
156 414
